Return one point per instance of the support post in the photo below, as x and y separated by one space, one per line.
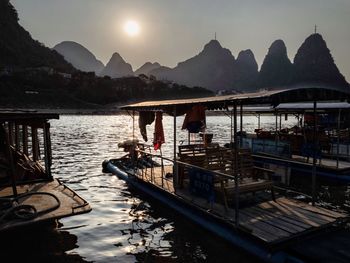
236 164
17 140
276 131
231 127
338 137
35 144
10 132
175 170
276 125
11 159
133 125
47 149
314 138
241 124
280 128
25 139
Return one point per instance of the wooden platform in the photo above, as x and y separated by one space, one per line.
272 222
154 175
69 202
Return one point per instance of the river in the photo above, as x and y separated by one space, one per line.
124 226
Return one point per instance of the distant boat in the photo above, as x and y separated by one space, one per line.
29 194
220 188
290 150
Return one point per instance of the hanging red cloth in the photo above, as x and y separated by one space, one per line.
194 120
158 139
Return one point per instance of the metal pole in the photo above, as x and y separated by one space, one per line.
276 126
235 170
258 121
314 156
240 124
231 134
162 164
280 122
175 177
276 131
338 139
47 150
133 125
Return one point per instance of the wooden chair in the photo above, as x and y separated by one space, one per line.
251 177
192 154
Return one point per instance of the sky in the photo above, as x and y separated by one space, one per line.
173 31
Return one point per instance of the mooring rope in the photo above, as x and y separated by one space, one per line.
23 211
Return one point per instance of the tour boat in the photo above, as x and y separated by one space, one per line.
221 187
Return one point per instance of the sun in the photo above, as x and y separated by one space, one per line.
132 28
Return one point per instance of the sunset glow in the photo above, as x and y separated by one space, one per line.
132 28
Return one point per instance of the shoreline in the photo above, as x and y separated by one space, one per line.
101 111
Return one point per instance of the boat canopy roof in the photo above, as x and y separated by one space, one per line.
269 97
309 106
25 115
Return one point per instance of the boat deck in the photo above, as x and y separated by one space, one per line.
272 222
325 162
69 202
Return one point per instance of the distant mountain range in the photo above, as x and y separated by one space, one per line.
214 67
217 69
34 76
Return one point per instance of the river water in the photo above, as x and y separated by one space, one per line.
124 226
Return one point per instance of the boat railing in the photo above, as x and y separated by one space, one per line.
152 167
210 182
155 168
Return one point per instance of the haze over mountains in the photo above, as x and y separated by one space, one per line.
217 69
34 76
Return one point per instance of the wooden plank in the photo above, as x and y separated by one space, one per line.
305 215
277 214
319 210
317 217
275 220
286 212
256 223
272 222
258 230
